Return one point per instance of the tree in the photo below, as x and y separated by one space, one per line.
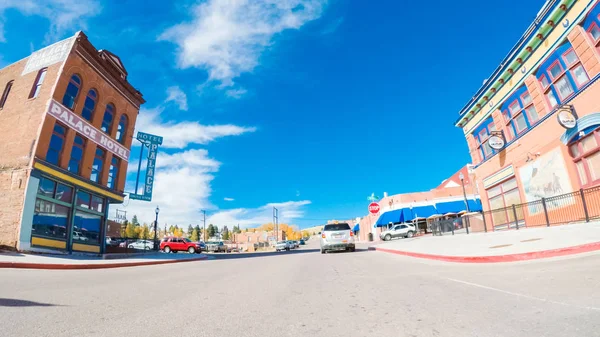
190 230
195 235
226 235
134 220
145 232
211 230
130 231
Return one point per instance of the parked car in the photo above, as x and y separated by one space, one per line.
111 242
142 244
79 236
302 242
216 247
398 231
282 245
296 243
174 244
292 244
337 237
202 245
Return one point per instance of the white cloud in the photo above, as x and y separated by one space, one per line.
181 189
248 217
236 93
175 94
229 199
227 37
64 15
181 134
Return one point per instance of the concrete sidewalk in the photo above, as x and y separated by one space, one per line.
35 261
503 246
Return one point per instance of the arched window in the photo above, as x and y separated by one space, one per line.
108 118
122 129
76 154
37 85
89 105
97 165
5 93
72 92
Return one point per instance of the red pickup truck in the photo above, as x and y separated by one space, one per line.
175 244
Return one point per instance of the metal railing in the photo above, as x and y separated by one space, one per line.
573 207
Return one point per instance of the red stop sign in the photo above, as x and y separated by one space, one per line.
373 208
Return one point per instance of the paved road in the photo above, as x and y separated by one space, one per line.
304 293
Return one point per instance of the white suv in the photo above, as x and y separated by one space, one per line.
337 237
402 230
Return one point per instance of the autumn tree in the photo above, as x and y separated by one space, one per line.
226 235
135 221
145 232
130 231
195 235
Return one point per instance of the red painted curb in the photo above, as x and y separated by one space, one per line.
589 247
55 266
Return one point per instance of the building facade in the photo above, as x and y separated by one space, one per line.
67 116
533 128
419 207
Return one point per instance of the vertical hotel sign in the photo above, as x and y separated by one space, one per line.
152 142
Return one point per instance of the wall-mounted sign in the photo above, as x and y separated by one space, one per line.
86 129
373 208
496 140
48 56
151 142
567 118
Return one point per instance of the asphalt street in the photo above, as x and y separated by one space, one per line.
304 293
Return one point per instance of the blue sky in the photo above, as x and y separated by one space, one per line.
308 105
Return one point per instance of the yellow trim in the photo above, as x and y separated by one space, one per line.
86 248
499 176
48 243
77 182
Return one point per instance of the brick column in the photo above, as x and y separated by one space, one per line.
98 115
45 136
586 50
537 95
105 168
63 161
88 159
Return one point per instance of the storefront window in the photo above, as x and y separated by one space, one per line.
83 199
64 193
50 220
586 155
501 198
46 187
86 229
97 204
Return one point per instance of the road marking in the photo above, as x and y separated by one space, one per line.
521 295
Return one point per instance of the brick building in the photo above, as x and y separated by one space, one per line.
533 128
67 115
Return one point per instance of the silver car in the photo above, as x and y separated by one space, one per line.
282 245
337 237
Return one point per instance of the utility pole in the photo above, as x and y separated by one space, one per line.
204 231
276 223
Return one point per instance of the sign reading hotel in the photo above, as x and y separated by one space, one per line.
48 56
151 142
84 128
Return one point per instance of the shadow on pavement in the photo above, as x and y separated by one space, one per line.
9 302
224 256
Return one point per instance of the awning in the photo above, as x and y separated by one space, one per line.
422 212
474 205
458 206
356 228
395 216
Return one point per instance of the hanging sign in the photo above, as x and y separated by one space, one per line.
567 118
496 140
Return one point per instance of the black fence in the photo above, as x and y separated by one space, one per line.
131 245
578 206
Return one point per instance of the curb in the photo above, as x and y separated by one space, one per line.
58 266
544 254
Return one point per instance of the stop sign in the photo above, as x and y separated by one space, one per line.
373 208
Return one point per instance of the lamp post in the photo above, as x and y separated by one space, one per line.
461 176
157 210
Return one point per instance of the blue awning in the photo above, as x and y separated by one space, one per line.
451 206
422 212
474 205
356 228
394 216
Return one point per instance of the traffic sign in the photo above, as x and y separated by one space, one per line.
373 208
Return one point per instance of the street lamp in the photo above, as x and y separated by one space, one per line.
157 210
461 176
